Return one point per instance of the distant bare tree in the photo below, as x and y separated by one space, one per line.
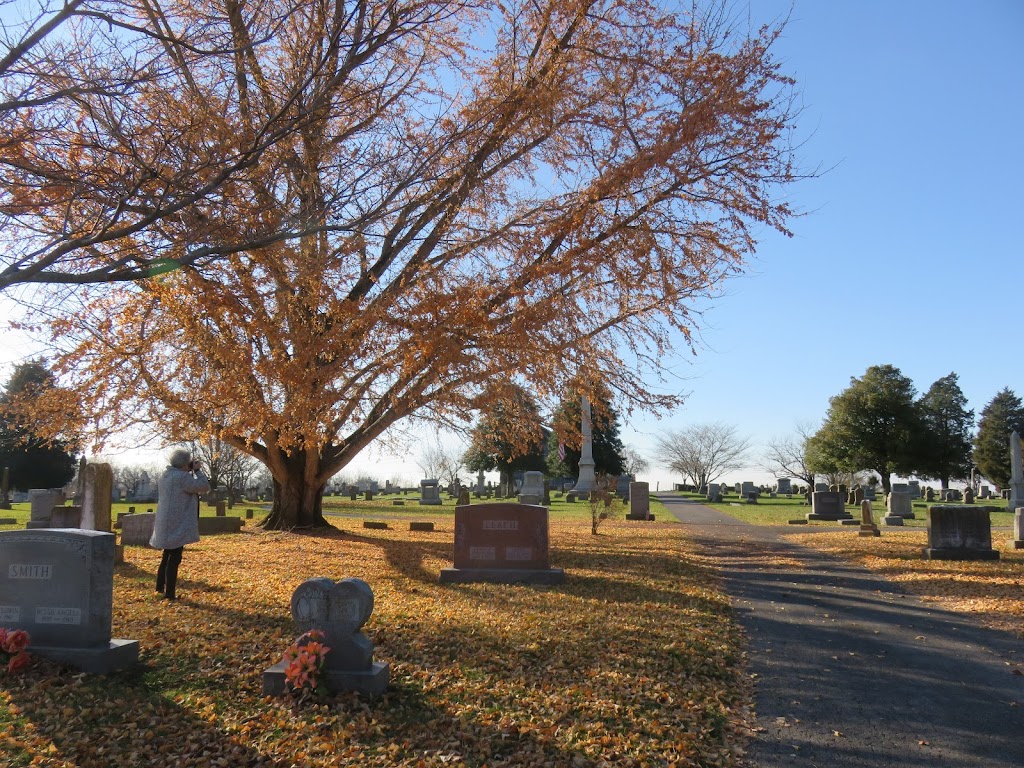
703 452
787 456
132 477
226 465
635 464
441 462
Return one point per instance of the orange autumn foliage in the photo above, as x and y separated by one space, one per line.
474 192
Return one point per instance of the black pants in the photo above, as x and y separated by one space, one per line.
167 573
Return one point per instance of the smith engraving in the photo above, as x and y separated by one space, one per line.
24 571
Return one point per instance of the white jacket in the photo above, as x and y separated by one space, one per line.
177 508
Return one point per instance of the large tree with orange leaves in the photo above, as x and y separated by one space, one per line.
479 192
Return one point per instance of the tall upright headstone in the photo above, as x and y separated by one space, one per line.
639 501
97 496
587 478
5 490
1016 473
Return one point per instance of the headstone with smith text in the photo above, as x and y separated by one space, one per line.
58 586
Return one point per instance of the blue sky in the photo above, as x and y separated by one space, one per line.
909 251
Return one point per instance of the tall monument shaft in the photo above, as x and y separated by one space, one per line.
587 480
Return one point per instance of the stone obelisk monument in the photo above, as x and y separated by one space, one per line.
586 481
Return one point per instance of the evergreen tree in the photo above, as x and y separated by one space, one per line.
1003 414
946 448
607 448
872 424
510 438
34 463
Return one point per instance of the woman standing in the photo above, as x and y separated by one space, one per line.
177 516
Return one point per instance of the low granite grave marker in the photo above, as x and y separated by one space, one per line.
42 501
338 609
137 529
828 505
58 585
502 543
898 504
959 532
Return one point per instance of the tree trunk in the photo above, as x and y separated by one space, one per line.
298 501
886 481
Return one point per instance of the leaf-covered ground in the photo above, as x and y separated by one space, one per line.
992 591
632 662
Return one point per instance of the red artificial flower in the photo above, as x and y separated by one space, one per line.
18 662
16 641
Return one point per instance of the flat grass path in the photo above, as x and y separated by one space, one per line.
849 671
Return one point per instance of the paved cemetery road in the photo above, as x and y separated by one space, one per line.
852 673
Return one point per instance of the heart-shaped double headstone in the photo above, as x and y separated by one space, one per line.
334 607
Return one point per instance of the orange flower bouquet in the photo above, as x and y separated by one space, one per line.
12 649
305 659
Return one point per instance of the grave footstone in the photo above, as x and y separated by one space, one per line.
338 609
502 543
958 532
58 586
